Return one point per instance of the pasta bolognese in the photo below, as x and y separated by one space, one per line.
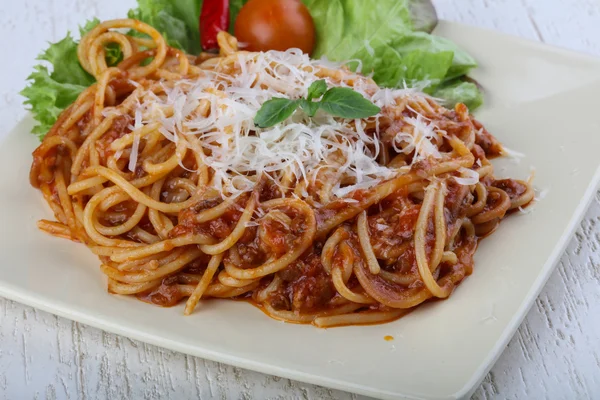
161 171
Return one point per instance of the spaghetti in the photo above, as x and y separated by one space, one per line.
159 170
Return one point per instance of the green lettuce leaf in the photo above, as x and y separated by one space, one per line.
187 11
50 91
390 39
113 52
412 68
177 20
462 62
414 57
63 57
459 91
56 83
47 98
344 26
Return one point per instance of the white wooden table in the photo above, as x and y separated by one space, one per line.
555 354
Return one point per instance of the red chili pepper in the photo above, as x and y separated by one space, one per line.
214 18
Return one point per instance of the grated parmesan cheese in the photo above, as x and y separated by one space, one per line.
512 154
468 177
540 194
238 152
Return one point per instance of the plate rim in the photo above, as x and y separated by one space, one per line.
442 23
540 282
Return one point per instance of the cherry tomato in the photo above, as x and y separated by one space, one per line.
275 25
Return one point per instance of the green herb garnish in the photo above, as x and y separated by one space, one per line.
274 111
337 101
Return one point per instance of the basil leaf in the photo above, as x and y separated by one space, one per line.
316 89
275 111
346 103
309 107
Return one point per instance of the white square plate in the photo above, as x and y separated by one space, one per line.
540 101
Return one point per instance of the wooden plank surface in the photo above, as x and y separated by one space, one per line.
555 354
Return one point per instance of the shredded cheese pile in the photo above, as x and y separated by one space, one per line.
237 151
